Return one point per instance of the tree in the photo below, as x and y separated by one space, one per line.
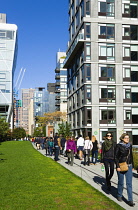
64 129
4 127
18 133
51 117
37 132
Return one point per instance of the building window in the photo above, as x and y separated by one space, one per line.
130 53
134 74
108 116
89 117
88 51
134 52
130 32
88 72
107 73
128 94
88 30
107 94
134 115
106 31
130 9
88 8
107 52
106 8
88 93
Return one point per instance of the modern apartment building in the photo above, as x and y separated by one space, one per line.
8 53
61 83
102 66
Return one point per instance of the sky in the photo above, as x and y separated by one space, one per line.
42 32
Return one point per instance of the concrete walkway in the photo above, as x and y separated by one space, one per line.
95 177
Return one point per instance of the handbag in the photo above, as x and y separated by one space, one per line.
124 166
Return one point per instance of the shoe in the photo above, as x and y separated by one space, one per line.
130 203
119 199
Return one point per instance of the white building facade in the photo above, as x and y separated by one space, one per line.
8 54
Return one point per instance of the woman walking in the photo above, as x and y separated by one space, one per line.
107 157
71 150
87 149
124 154
94 150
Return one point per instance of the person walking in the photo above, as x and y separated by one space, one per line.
80 146
46 142
71 150
57 147
124 154
94 150
87 149
108 157
51 146
63 141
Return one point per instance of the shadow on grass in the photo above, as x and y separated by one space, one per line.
2 160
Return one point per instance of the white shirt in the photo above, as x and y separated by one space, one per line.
80 142
88 144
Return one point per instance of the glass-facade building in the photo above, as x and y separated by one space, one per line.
8 54
44 101
102 66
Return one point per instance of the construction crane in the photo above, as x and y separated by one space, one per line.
18 82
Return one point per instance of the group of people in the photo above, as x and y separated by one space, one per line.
119 154
111 154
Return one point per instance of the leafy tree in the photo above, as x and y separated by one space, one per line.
37 132
64 129
18 133
51 117
4 127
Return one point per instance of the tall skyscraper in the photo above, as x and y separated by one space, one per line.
102 65
8 54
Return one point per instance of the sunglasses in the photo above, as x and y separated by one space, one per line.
109 135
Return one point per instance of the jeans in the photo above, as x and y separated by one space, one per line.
50 151
56 153
128 174
109 164
94 156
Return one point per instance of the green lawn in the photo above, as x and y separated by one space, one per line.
28 180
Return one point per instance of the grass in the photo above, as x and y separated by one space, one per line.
28 180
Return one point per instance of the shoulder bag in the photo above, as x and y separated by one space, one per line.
124 166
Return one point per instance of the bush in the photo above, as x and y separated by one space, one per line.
135 157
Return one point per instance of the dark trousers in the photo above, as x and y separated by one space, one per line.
86 157
56 153
70 157
109 170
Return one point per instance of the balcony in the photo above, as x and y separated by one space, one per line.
78 42
57 103
57 97
57 76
